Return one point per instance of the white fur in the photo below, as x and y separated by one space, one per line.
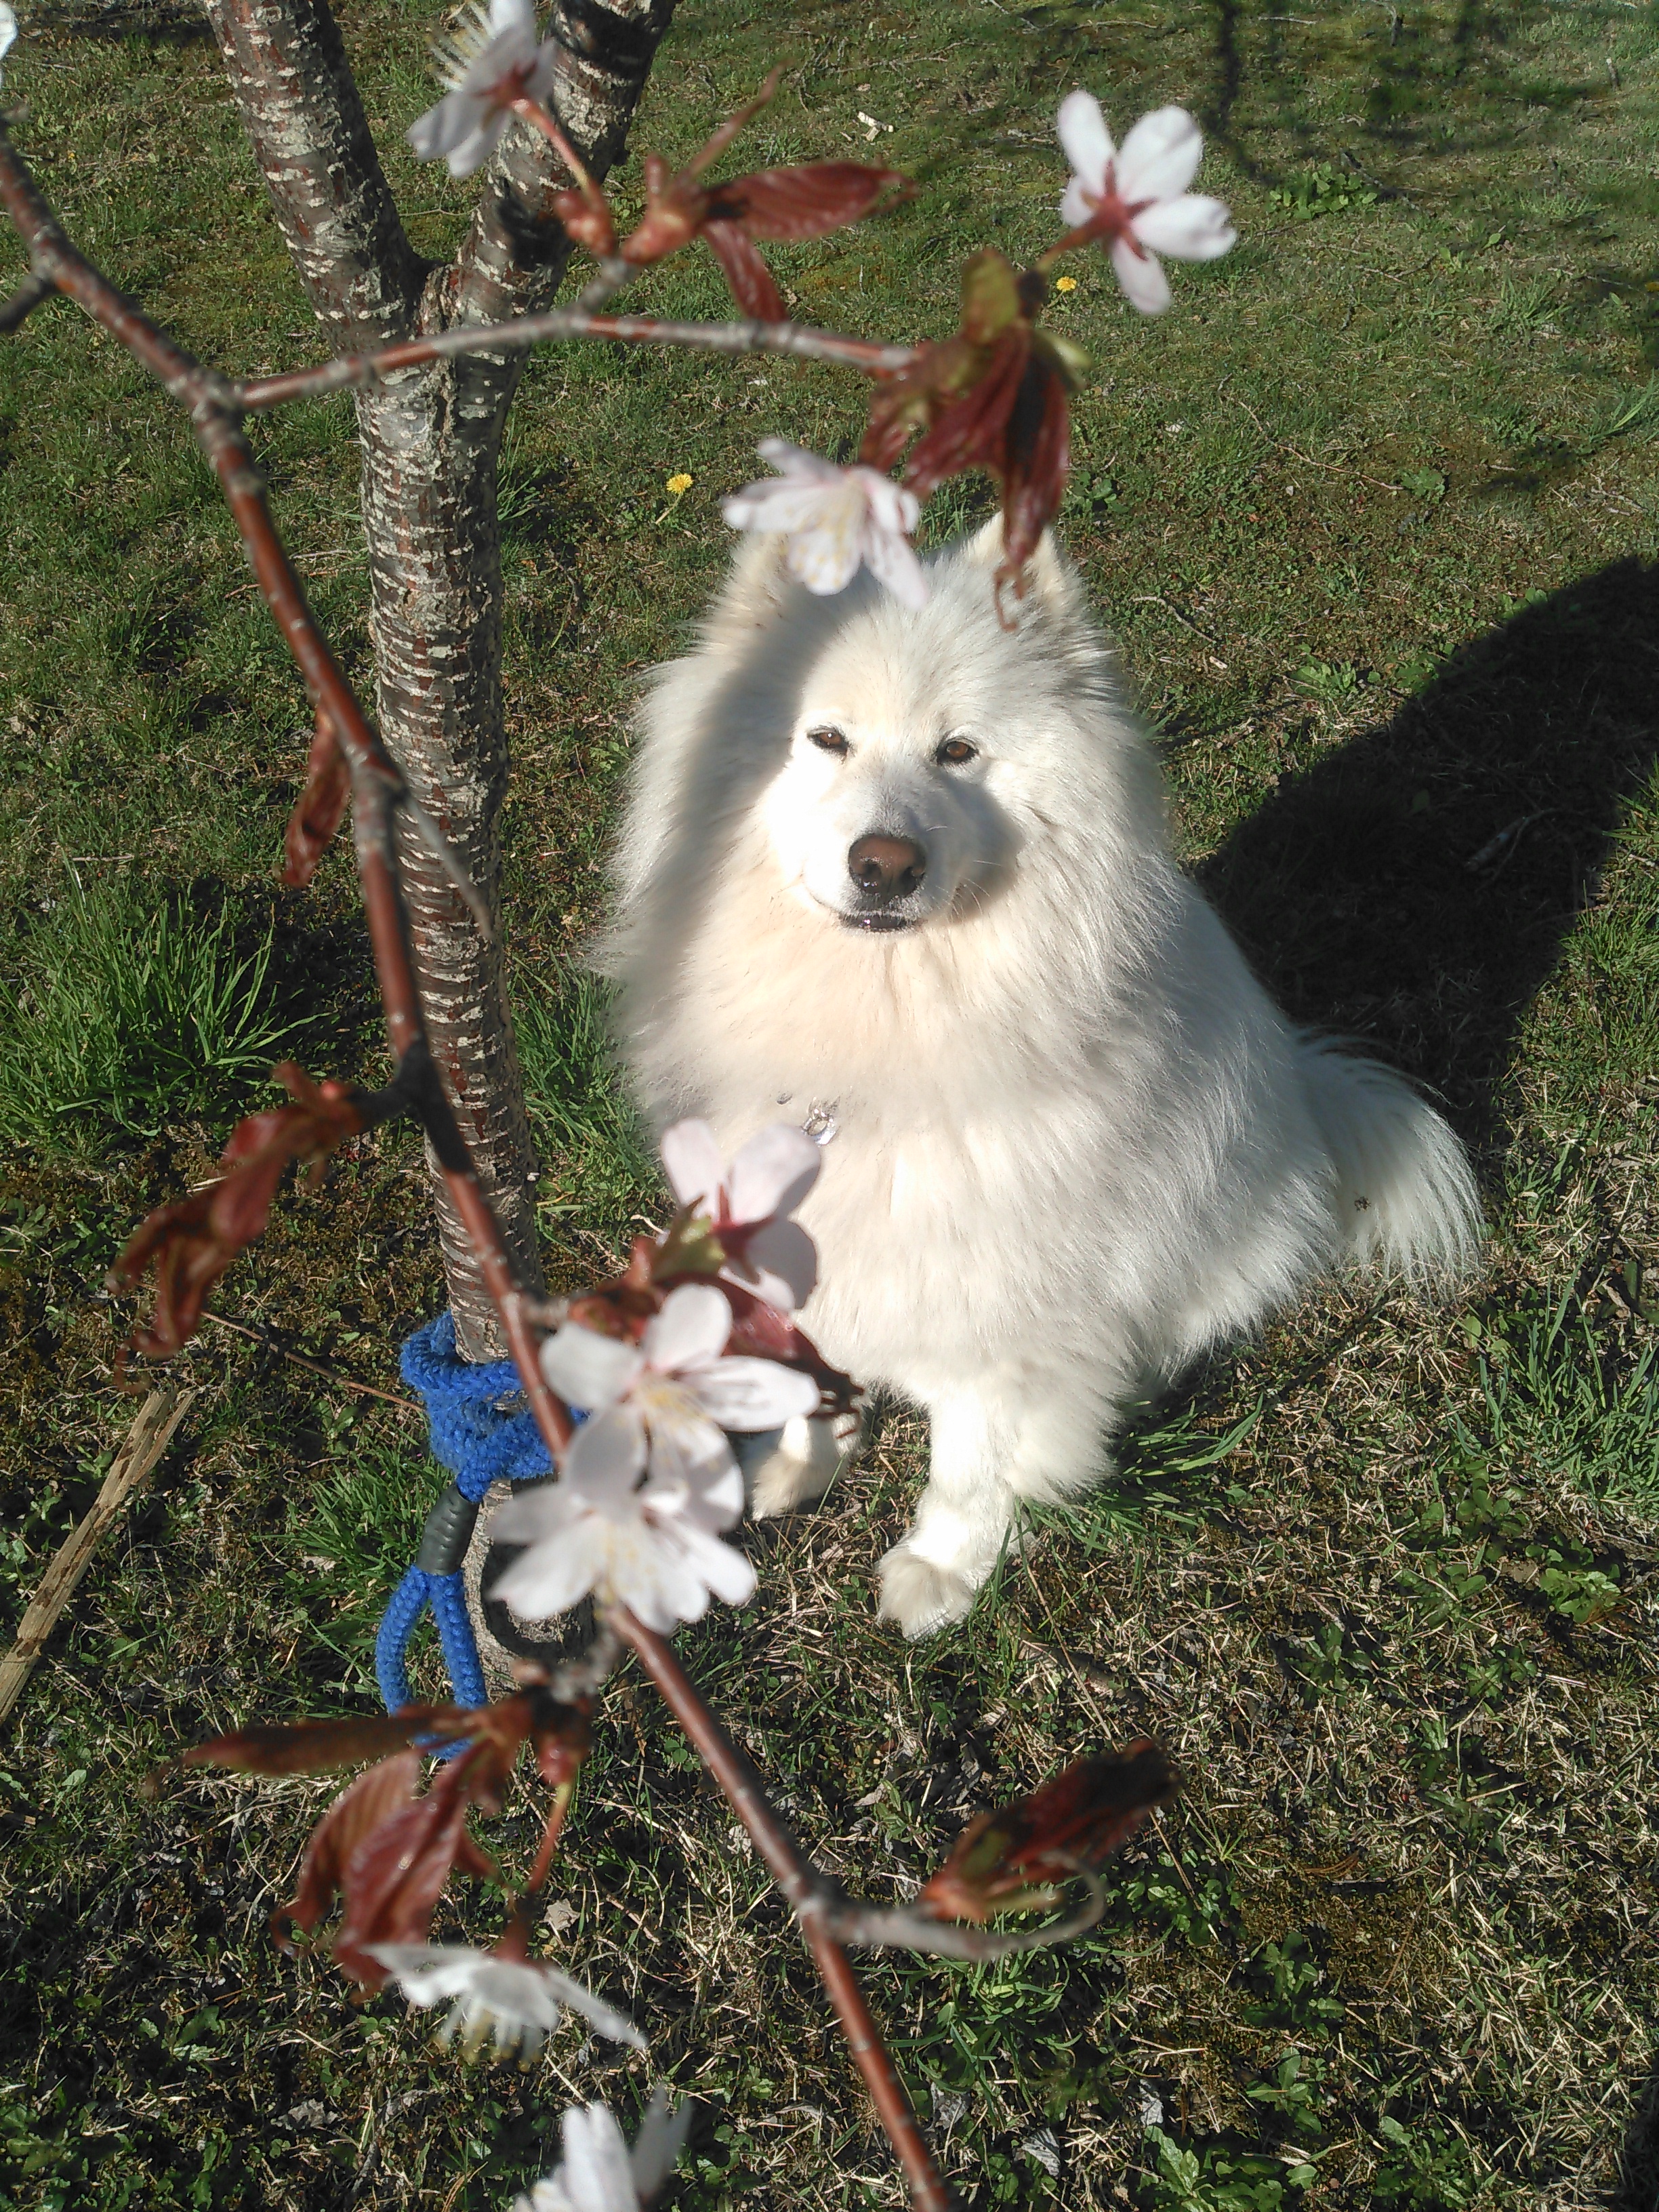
1076 1144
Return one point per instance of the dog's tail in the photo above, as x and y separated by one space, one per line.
1405 1199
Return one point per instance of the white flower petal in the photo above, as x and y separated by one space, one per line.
797 461
474 151
892 561
1160 156
616 2026
753 1393
689 1456
660 1585
658 2143
516 1994
892 508
786 1263
588 1369
513 19
605 1458
691 1330
692 1161
827 556
550 1577
429 1972
445 126
723 1570
596 2173
784 506
1191 228
1086 141
1141 277
1075 205
773 1173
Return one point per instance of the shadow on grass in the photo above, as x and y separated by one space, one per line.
1414 890
1637 2189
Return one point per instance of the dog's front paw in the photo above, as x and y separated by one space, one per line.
800 1466
921 1596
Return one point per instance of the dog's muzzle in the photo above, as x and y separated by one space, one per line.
885 871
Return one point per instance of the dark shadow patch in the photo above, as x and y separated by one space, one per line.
1415 889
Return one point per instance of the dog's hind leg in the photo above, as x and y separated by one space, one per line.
989 1447
803 1461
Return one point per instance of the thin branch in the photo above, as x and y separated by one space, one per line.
352 371
804 1886
377 787
25 300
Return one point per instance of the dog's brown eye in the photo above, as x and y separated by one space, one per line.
828 740
955 751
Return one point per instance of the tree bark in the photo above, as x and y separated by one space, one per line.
430 441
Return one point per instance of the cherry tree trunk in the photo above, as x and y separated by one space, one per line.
430 441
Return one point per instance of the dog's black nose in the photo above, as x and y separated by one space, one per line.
886 868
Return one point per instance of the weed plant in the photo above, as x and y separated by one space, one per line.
133 1007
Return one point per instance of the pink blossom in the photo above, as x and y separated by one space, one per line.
492 60
832 520
749 1203
647 1483
1136 202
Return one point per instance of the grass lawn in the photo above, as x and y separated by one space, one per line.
1373 512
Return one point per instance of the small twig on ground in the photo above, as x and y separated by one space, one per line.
313 1366
146 1440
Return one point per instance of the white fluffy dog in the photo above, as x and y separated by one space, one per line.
911 872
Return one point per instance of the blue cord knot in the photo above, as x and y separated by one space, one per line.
482 1431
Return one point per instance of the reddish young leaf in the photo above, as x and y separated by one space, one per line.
749 278
396 1875
806 202
560 1739
190 1242
1038 461
972 432
318 1747
321 807
1004 1862
356 1814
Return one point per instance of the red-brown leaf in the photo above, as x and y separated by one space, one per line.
1039 461
751 279
759 1331
806 202
321 807
1004 1861
356 1814
972 432
190 1242
396 1874
318 1747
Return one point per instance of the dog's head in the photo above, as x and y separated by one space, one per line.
920 754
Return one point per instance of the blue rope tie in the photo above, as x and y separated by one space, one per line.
482 1431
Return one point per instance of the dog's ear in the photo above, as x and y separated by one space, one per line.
1053 587
756 586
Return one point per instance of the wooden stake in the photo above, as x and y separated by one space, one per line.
146 1440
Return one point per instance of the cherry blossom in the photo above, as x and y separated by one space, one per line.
1136 201
516 1999
749 1203
656 1411
492 60
833 520
597 2174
